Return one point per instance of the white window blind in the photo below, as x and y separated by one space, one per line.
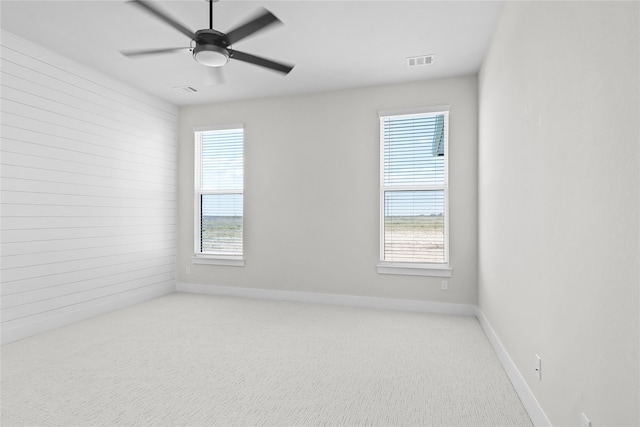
414 188
219 184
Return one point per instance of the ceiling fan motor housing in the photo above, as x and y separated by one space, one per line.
211 48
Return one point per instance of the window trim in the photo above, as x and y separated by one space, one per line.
202 257
414 268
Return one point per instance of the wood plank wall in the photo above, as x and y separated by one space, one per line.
88 169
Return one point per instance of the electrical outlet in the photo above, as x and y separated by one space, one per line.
444 285
188 270
585 421
538 367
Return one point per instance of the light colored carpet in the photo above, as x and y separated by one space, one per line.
202 360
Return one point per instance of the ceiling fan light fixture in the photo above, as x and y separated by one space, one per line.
210 55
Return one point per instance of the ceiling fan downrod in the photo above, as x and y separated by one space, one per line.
211 2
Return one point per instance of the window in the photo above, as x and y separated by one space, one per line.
219 186
414 226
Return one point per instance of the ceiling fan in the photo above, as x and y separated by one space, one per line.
210 47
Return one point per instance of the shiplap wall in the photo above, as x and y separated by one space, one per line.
88 192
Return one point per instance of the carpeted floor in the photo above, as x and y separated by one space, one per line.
201 361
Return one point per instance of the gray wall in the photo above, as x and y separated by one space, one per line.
559 203
88 192
312 192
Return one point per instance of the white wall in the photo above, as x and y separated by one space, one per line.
559 203
88 192
312 192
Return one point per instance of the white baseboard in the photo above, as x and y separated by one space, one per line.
533 408
320 298
72 314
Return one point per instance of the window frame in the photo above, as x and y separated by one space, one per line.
407 267
200 257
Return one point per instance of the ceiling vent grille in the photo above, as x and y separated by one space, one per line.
186 89
420 61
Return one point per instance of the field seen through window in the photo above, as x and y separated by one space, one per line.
417 238
407 238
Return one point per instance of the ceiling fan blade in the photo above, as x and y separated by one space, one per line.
147 6
263 62
214 76
143 52
256 24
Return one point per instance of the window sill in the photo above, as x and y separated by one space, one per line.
414 269
218 260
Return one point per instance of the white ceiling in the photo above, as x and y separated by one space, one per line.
333 44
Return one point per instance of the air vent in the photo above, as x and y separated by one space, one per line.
186 89
420 61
